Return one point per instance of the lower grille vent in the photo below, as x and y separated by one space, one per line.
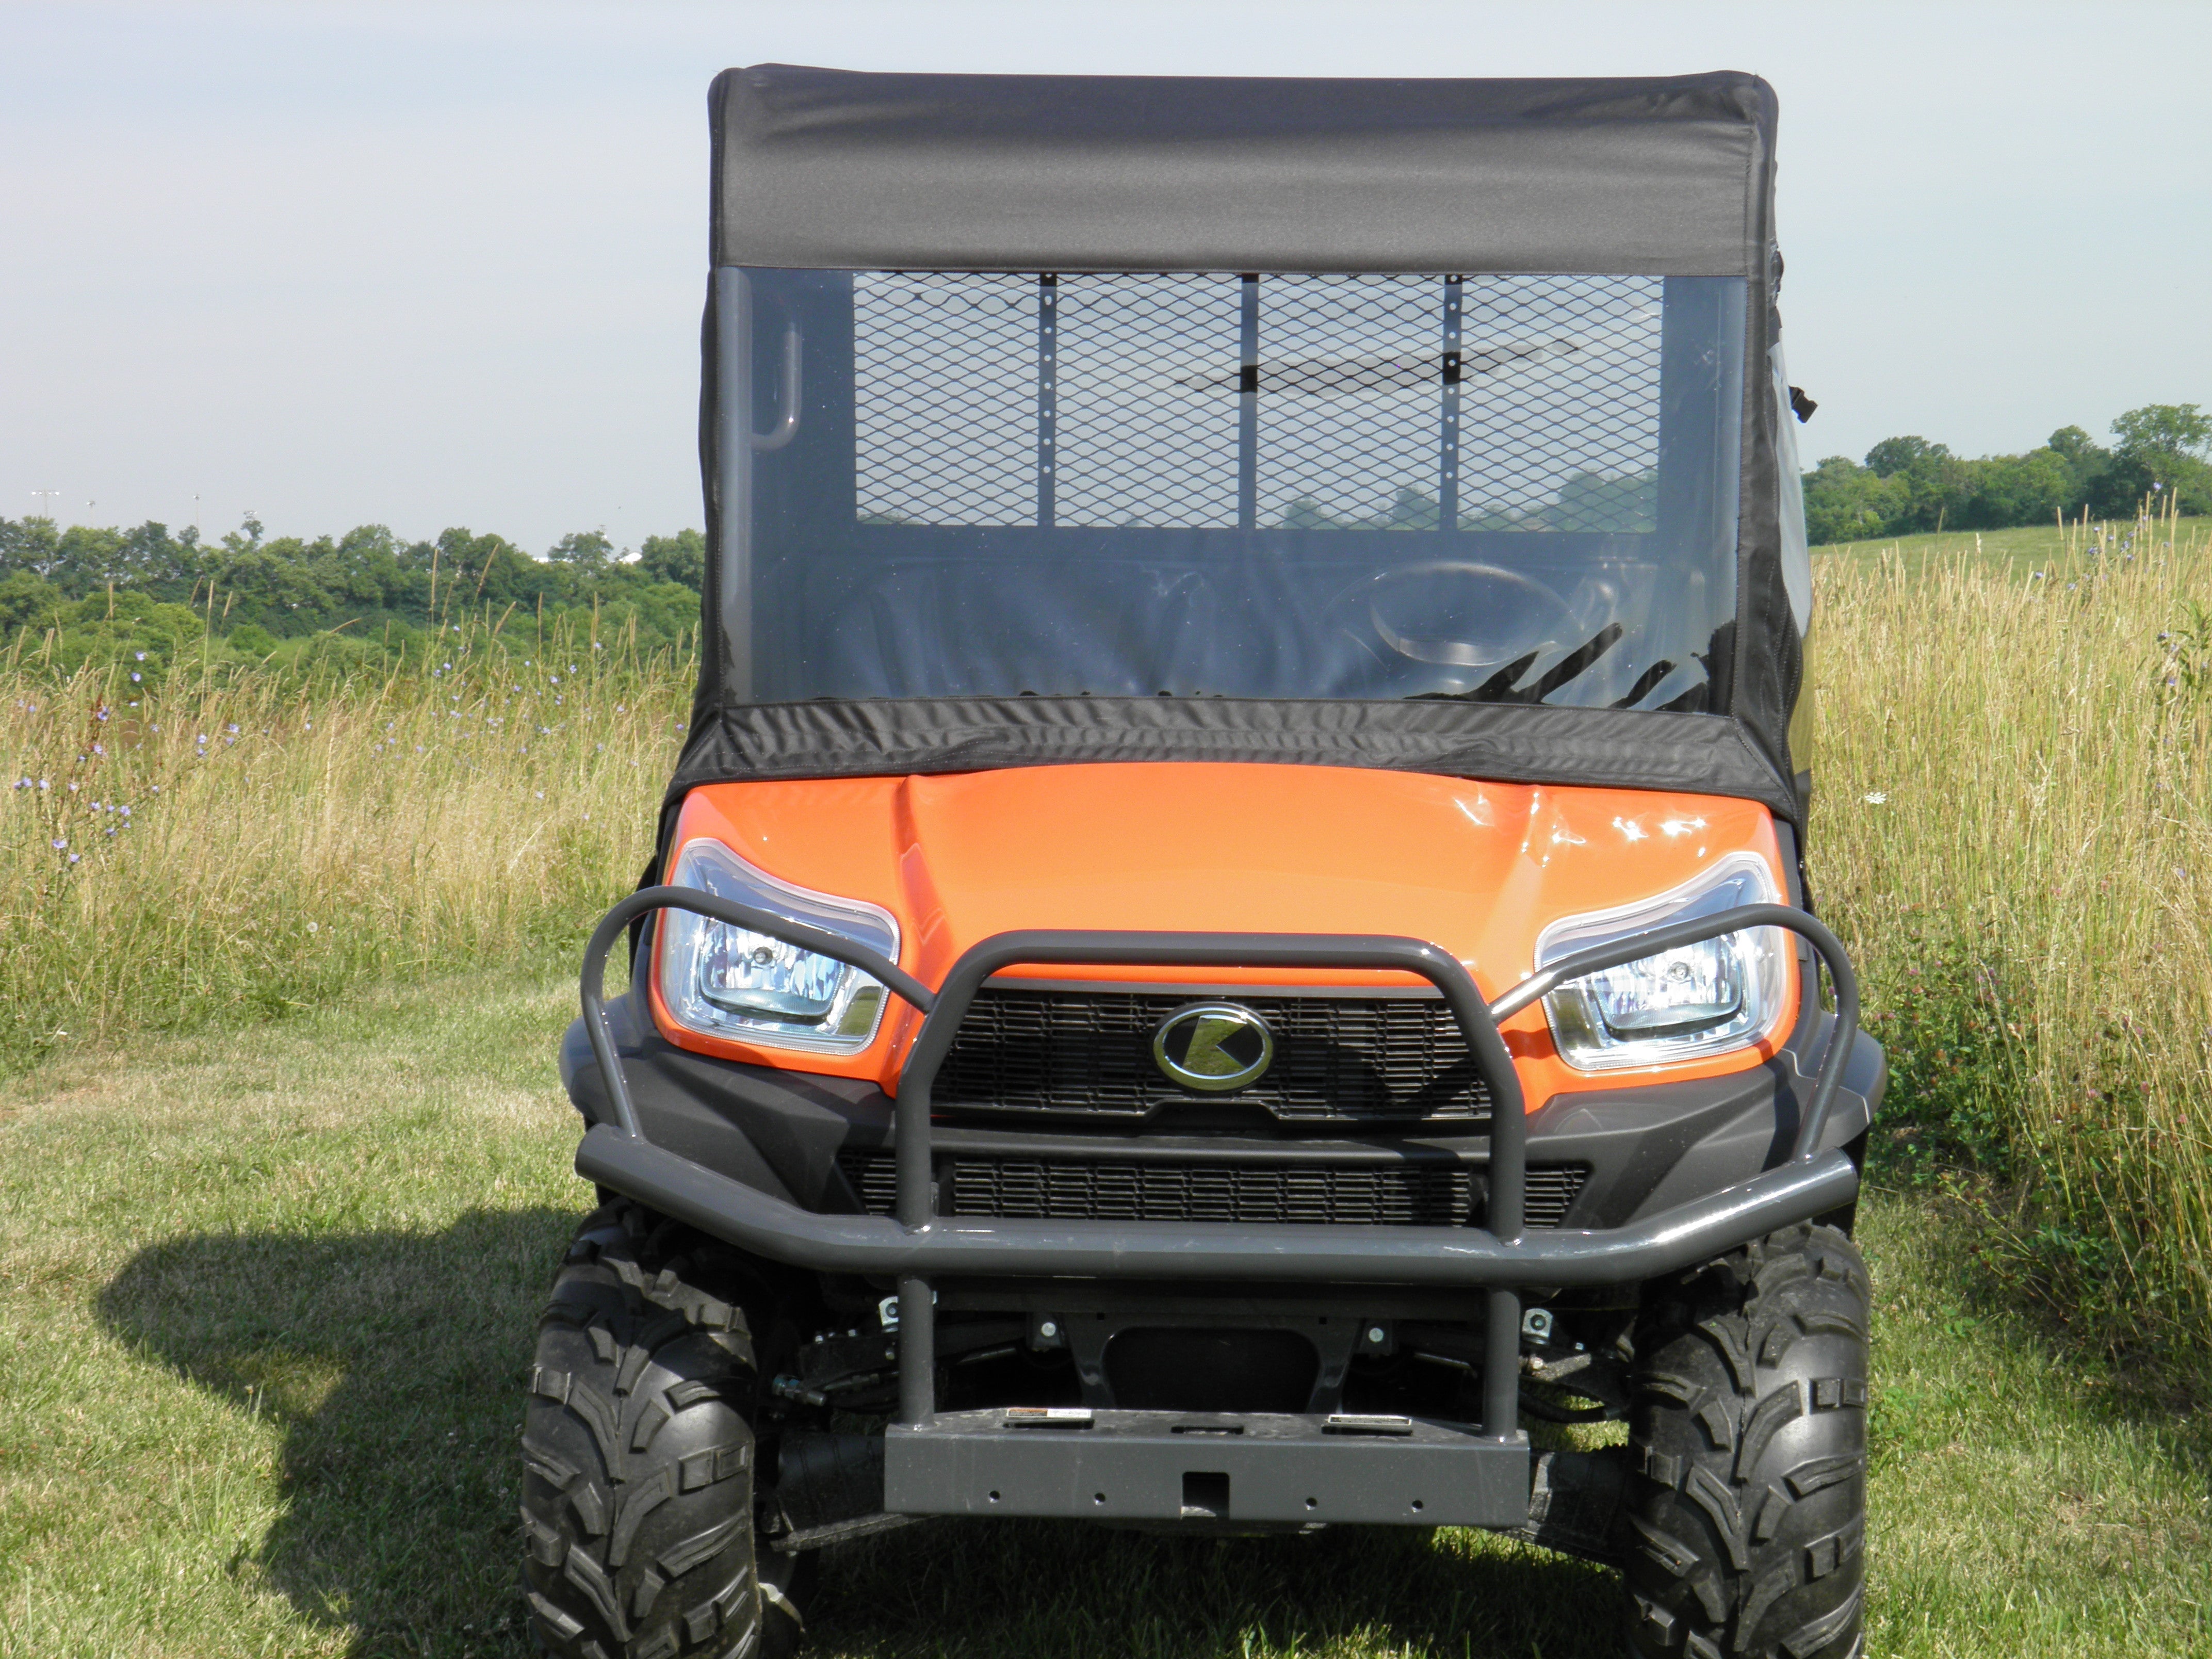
1332 1194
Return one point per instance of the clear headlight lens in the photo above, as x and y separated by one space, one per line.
729 982
1700 1001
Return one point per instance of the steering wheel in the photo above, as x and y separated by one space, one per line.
1450 614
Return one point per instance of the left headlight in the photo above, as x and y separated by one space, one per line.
1689 1004
729 982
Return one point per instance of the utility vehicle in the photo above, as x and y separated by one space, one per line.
1229 932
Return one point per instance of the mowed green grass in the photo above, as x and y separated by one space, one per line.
2028 547
265 1308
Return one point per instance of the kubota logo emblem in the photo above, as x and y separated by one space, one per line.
1214 1046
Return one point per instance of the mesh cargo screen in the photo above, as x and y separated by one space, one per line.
1557 396
1497 488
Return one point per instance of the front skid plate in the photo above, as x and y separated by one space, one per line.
1174 1466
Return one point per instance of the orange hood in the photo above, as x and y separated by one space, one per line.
1477 868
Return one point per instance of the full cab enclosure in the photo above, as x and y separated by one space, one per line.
1052 419
1230 925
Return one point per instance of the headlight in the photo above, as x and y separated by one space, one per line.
729 982
1700 1001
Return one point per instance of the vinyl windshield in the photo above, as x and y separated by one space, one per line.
1506 488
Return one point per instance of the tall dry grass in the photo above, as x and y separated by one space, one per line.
2014 831
242 843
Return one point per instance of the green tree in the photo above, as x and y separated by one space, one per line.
681 558
2161 451
2087 462
2010 489
27 600
1893 455
583 550
2078 448
1847 502
2164 430
1937 485
27 544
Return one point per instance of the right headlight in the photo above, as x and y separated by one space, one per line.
1703 999
727 981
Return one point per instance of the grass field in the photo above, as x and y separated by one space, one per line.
268 1313
242 844
2012 829
280 1100
2028 548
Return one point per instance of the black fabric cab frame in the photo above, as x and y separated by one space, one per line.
1584 211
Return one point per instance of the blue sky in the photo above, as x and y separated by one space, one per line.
440 265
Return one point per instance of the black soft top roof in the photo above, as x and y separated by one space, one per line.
830 168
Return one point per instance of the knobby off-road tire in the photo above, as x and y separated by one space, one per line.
639 1460
1746 1525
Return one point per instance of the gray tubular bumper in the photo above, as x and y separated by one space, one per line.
968 1246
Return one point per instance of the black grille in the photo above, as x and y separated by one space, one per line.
1333 1194
1336 1058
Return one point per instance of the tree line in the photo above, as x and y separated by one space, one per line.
88 593
1907 485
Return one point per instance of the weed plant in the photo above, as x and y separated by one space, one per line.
2011 832
231 841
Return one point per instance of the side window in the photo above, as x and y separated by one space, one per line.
1796 556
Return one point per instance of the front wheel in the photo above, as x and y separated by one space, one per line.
1747 1528
639 1459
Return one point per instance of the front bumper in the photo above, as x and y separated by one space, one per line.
1464 1258
1128 1465
1168 1466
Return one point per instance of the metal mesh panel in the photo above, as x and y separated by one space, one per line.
1193 401
1146 433
1351 388
945 370
1065 1190
1180 1190
1560 403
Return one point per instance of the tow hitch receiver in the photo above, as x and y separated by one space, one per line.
1170 1466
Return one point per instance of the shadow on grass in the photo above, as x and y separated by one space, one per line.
1004 1590
393 1365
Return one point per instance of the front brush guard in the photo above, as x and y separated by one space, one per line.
916 1246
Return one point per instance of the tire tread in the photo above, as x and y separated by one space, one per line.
637 1507
1748 1431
